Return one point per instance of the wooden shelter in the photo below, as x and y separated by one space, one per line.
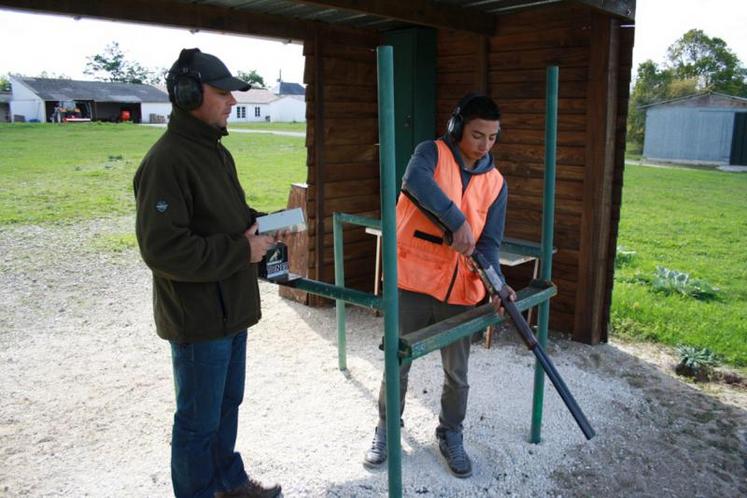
443 49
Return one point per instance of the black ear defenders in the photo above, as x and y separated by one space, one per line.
455 126
184 84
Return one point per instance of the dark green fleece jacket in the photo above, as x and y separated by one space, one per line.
191 216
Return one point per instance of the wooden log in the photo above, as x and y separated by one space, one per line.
455 63
345 131
352 205
510 105
346 110
535 153
453 43
334 190
536 90
563 36
549 17
298 246
337 172
540 58
566 122
537 137
500 75
530 217
347 154
343 93
537 170
567 206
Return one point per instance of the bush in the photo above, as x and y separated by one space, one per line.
623 257
677 282
697 363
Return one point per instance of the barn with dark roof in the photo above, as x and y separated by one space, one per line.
38 99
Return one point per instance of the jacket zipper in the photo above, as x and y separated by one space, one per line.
233 181
222 303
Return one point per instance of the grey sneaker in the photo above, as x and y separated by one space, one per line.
376 455
451 445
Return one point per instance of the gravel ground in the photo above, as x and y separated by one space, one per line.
86 398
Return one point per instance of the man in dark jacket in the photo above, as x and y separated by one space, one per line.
198 236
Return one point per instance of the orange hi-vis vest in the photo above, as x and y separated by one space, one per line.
424 263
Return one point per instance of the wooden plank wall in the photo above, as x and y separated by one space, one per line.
342 146
625 68
516 59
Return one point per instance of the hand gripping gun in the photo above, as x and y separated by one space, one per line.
495 287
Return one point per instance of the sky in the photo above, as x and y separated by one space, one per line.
32 43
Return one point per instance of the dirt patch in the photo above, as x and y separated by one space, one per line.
86 398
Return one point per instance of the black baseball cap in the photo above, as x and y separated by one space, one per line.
213 72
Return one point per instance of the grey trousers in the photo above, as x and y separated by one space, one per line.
415 312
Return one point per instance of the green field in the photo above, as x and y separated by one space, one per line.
300 127
52 173
691 221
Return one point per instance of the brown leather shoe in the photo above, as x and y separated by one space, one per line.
251 489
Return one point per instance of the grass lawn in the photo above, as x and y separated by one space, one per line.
688 220
60 173
692 221
300 127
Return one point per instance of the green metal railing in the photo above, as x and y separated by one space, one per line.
337 221
389 251
424 341
548 218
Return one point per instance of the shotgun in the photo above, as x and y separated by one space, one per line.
495 287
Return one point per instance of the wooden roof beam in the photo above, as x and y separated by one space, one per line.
622 8
174 14
420 12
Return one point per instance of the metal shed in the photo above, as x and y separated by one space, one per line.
708 128
442 49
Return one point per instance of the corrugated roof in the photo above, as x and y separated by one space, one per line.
678 100
285 88
296 20
97 91
382 16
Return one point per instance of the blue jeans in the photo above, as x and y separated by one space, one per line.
209 384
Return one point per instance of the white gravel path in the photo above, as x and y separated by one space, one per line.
86 398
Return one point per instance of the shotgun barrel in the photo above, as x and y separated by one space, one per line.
495 287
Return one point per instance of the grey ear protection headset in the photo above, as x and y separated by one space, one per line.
184 84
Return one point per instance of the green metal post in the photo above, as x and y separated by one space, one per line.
340 282
337 222
548 217
389 246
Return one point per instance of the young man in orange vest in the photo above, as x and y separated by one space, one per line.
455 179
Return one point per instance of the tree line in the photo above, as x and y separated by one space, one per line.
695 63
112 65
